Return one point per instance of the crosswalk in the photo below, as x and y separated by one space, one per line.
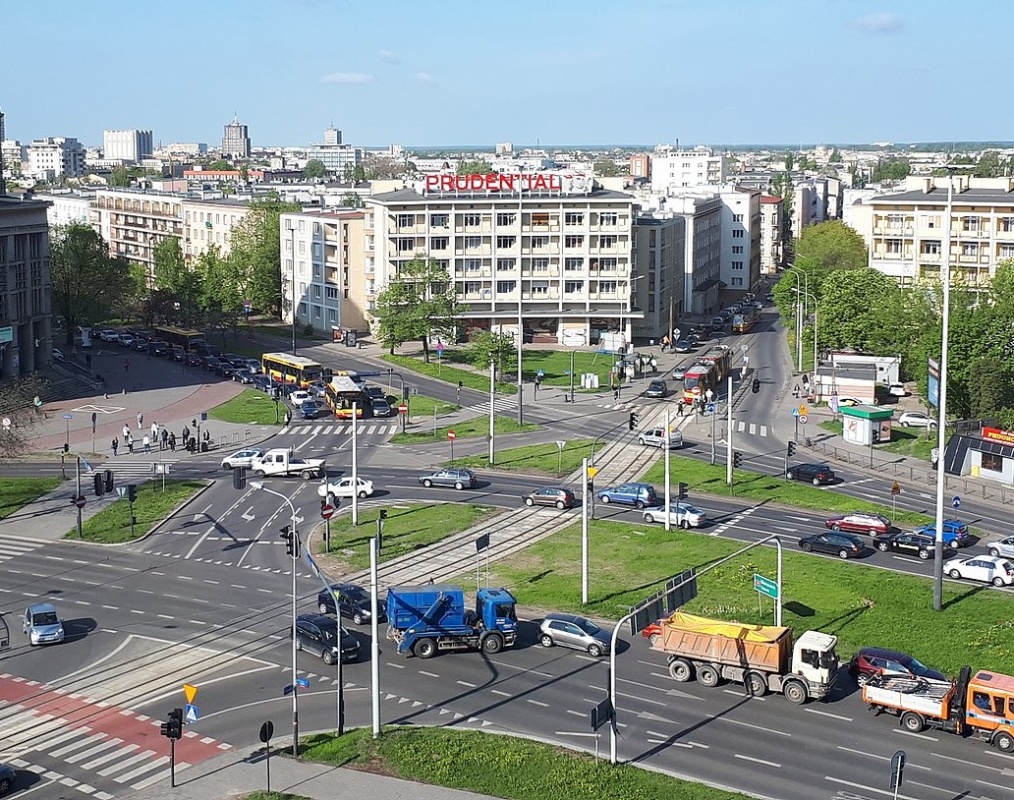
365 429
752 428
126 467
500 404
14 546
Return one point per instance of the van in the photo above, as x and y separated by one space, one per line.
42 624
655 437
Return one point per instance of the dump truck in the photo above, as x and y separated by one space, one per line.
982 706
281 461
761 657
423 620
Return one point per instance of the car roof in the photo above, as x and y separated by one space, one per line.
884 652
321 620
564 617
41 608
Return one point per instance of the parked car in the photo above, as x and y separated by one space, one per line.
810 473
254 366
657 389
242 375
955 533
343 488
226 370
58 355
916 419
859 522
873 661
570 630
988 569
910 543
556 496
318 634
349 600
319 388
233 359
679 372
241 458
192 359
42 624
160 349
639 495
897 389
843 545
139 345
655 437
177 354
717 323
263 382
458 478
211 363
682 515
8 777
1003 547
109 335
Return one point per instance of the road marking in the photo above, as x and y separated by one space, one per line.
538 703
429 674
871 789
917 735
885 758
757 760
577 713
829 714
464 683
500 693
749 725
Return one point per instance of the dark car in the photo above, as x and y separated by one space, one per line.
160 349
556 496
915 544
683 346
717 323
211 363
859 522
225 370
7 778
232 358
639 495
380 407
310 409
810 473
374 391
352 600
657 389
242 374
457 478
192 359
140 345
843 545
262 382
177 354
318 634
873 661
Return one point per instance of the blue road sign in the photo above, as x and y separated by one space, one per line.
68 416
956 502
303 683
710 408
287 689
190 713
795 412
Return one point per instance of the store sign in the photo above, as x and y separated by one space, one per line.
507 183
997 435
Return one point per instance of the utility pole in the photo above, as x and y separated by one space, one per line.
492 412
355 464
728 435
521 394
585 500
668 493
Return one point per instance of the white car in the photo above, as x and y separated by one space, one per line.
655 437
897 389
680 514
343 488
916 419
988 569
243 458
57 355
300 396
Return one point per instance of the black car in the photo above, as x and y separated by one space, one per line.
7 778
683 346
318 634
381 408
262 382
192 359
843 545
140 345
226 370
916 544
242 375
816 474
353 601
375 391
160 349
177 354
657 389
210 363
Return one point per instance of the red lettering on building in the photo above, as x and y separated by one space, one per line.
494 182
997 435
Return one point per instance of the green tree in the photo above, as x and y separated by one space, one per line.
119 176
835 157
891 169
828 246
359 173
492 346
180 285
990 387
352 200
605 167
851 309
314 169
990 165
88 284
790 161
221 283
220 164
256 244
417 304
477 167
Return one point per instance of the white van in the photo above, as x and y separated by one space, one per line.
655 437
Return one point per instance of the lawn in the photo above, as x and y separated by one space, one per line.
419 405
441 370
408 527
250 408
914 442
501 766
863 606
15 493
705 478
468 429
112 524
546 458
555 365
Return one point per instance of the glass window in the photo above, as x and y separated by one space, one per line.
506 241
438 243
609 218
992 462
472 220
573 241
506 287
573 218
573 264
506 264
405 220
438 220
506 219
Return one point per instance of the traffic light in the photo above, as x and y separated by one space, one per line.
682 493
790 451
239 478
756 385
99 484
172 728
109 481
66 447
383 513
737 459
132 492
633 420
291 541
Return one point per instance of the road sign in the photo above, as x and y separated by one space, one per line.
710 408
592 472
802 419
956 502
795 412
190 692
452 435
403 409
895 488
803 410
765 586
560 443
6 422
267 731
80 501
68 416
326 511
190 713
6 334
303 683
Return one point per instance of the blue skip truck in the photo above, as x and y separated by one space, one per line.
423 620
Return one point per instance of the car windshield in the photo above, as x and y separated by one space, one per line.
916 667
329 634
46 618
505 610
587 626
356 595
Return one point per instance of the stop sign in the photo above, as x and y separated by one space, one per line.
403 409
327 511
79 501
452 435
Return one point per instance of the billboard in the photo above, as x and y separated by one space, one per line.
933 383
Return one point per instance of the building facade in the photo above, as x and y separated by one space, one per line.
68 208
26 342
554 248
771 234
131 146
336 158
702 259
741 239
55 157
132 222
672 170
659 290
236 140
210 223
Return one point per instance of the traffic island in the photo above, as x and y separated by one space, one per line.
151 505
548 458
466 429
16 493
251 407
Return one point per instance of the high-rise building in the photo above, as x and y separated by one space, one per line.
53 157
26 287
132 145
332 135
236 140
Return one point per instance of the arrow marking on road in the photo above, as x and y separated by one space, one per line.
247 515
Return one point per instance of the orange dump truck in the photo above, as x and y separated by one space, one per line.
982 705
762 657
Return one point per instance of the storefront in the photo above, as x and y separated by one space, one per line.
992 456
866 425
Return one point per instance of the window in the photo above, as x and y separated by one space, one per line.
573 264
573 241
506 264
737 265
330 292
607 265
969 248
992 462
894 246
506 219
737 281
540 288
406 245
506 241
405 220
540 265
506 287
1007 251
472 220
607 242
737 250
573 287
540 242
738 233
473 242
573 218
609 218
473 265
438 220
438 243
541 218
895 221
607 287
737 217
930 248
1007 224
316 292
931 220
472 287
970 224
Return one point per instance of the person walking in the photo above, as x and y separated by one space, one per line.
654 366
165 439
126 432
186 434
172 442
680 408
140 420
130 444
154 431
115 446
146 442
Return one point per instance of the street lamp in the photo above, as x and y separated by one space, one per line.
796 272
259 486
811 297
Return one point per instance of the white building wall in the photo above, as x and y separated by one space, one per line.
129 145
686 169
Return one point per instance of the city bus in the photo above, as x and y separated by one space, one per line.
340 393
179 337
742 322
297 370
697 380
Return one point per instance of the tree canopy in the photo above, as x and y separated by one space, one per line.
256 243
314 169
477 167
419 303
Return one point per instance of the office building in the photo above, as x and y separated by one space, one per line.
133 221
130 146
659 287
741 239
26 342
236 140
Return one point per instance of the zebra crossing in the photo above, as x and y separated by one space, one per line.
130 468
752 428
342 429
500 405
14 546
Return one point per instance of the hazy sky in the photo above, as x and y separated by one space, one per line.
422 72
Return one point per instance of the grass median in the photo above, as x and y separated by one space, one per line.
16 493
419 405
500 766
546 458
250 407
469 429
274 796
440 370
406 529
112 524
913 442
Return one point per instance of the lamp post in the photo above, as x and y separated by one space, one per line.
259 485
355 464
492 412
521 394
292 245
810 297
796 272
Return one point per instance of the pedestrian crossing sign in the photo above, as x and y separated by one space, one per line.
190 713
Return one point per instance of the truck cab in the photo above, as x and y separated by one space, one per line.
496 611
281 461
815 660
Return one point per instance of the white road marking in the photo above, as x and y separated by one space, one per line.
757 760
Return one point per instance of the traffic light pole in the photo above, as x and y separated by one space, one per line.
355 467
668 491
585 499
80 532
728 435
172 763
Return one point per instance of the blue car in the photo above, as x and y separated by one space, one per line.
310 409
638 495
955 533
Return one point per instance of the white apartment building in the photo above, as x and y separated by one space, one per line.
326 260
905 231
659 291
67 208
131 146
741 239
133 221
771 244
210 223
336 158
672 170
13 154
552 247
54 157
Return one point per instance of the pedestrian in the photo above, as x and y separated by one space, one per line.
654 366
130 444
116 446
126 432
126 365
680 408
288 416
186 434
154 431
146 442
193 423
206 435
795 390
172 442
616 391
140 420
165 439
192 446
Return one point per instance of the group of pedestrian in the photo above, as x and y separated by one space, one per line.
155 436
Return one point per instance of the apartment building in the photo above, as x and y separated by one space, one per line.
133 221
26 342
236 140
905 231
13 154
659 291
702 259
672 170
327 262
554 247
131 146
741 239
771 243
210 223
55 157
68 207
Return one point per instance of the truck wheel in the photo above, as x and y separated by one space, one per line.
594 650
546 640
306 474
708 676
259 473
680 670
492 644
1004 742
912 722
795 692
358 618
425 648
756 684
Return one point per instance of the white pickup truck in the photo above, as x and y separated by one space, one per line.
281 461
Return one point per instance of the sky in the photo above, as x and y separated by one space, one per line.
425 73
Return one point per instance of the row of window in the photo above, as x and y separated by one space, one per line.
543 264
409 244
934 247
509 218
541 287
971 223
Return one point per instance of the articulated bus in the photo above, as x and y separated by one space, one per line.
286 368
720 359
180 337
742 322
340 393
697 380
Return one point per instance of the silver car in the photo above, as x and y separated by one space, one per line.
1002 548
243 458
570 630
42 624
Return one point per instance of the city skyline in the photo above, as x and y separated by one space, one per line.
564 73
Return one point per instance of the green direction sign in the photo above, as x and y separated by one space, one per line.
765 586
